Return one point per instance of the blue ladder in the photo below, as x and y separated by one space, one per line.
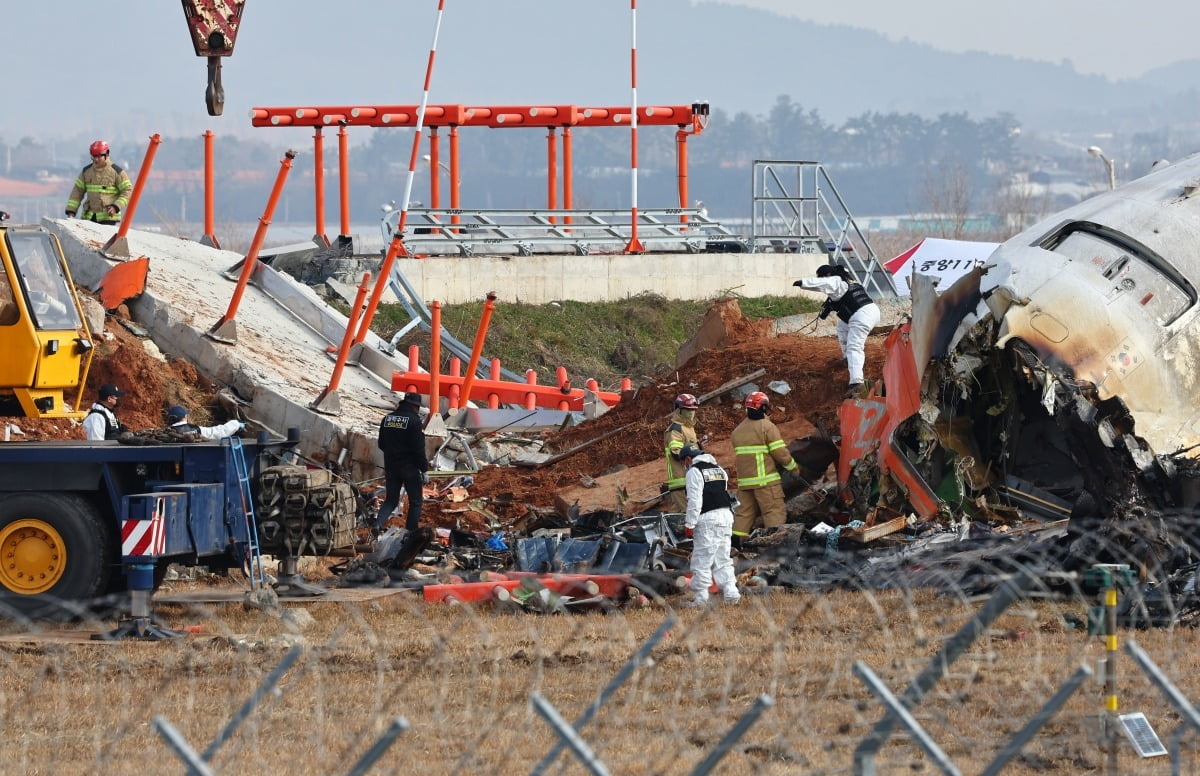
258 578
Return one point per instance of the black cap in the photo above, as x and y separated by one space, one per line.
412 398
835 270
690 451
108 389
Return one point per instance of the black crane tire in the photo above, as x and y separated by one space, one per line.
56 555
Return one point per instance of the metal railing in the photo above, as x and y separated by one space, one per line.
797 208
581 232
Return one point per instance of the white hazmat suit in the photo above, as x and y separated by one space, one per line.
852 334
711 532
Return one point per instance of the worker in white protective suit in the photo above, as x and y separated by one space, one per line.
709 522
856 313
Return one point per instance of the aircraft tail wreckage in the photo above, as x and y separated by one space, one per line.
1059 381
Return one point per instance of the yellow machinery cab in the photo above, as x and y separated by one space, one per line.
43 335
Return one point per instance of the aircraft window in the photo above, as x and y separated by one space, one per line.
45 286
1131 269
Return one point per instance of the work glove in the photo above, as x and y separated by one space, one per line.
826 309
113 210
798 283
70 214
424 478
689 532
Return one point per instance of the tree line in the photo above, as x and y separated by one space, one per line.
881 163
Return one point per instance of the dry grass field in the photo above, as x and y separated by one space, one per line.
462 677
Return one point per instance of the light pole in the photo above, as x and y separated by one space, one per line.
1112 167
429 161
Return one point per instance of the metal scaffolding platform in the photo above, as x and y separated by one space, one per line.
797 208
461 232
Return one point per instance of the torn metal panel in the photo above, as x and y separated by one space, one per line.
869 427
937 317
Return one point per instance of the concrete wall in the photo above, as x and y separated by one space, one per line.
546 278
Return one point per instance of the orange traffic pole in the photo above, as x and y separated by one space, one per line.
118 243
319 235
435 170
344 184
455 389
143 174
681 166
454 204
551 171
225 330
385 271
531 396
494 375
486 390
477 349
568 173
564 385
210 235
329 401
435 359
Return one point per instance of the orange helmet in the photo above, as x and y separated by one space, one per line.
98 148
685 401
758 401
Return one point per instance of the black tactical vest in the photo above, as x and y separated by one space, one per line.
851 302
716 487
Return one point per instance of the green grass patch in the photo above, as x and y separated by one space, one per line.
635 337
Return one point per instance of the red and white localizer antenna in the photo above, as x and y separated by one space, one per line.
397 243
635 245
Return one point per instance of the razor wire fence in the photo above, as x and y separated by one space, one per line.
978 657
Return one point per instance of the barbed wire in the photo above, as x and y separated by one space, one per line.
444 688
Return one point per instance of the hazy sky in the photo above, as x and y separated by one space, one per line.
1116 38
128 70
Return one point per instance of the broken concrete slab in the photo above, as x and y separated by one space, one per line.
278 366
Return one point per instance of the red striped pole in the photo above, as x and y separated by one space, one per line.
635 245
396 247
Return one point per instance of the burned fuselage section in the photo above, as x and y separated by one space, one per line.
1059 381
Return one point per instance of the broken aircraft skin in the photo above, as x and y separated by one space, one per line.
1018 389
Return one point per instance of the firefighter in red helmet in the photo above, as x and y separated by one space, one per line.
102 189
680 433
759 454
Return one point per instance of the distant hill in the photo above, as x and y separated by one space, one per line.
307 52
741 60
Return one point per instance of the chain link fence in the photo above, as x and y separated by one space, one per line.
882 661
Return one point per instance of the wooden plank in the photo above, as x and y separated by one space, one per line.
871 533
729 386
572 451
